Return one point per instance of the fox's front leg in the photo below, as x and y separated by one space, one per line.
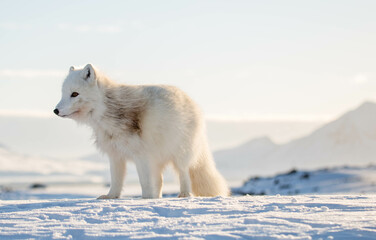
117 167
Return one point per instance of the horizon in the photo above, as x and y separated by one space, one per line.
222 133
214 118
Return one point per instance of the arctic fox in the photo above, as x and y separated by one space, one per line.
149 125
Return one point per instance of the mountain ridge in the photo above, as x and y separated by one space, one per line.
348 140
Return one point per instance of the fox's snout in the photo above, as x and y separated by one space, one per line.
56 111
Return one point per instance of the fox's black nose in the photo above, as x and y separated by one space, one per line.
56 111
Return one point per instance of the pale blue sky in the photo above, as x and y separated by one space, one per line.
256 59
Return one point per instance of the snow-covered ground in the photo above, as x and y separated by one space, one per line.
323 181
72 212
247 217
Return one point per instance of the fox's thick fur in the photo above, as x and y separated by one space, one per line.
150 125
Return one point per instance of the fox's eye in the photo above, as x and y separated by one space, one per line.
74 94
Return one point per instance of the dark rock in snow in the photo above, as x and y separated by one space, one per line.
37 185
292 172
305 176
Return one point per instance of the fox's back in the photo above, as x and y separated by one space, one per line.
170 116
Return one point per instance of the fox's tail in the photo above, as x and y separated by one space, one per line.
205 178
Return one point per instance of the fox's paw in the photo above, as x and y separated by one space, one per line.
107 197
185 194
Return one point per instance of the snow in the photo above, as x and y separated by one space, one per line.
250 217
323 181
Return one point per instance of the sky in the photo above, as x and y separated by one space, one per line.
271 60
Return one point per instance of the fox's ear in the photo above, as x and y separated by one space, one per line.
71 69
88 73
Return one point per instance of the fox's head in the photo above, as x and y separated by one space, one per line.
79 93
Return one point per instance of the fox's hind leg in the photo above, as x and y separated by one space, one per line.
151 178
182 167
185 183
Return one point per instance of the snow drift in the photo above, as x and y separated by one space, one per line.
247 217
338 180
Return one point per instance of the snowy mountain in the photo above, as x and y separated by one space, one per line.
349 140
234 162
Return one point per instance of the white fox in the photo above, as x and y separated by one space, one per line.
149 125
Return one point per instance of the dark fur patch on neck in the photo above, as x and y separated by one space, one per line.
124 110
